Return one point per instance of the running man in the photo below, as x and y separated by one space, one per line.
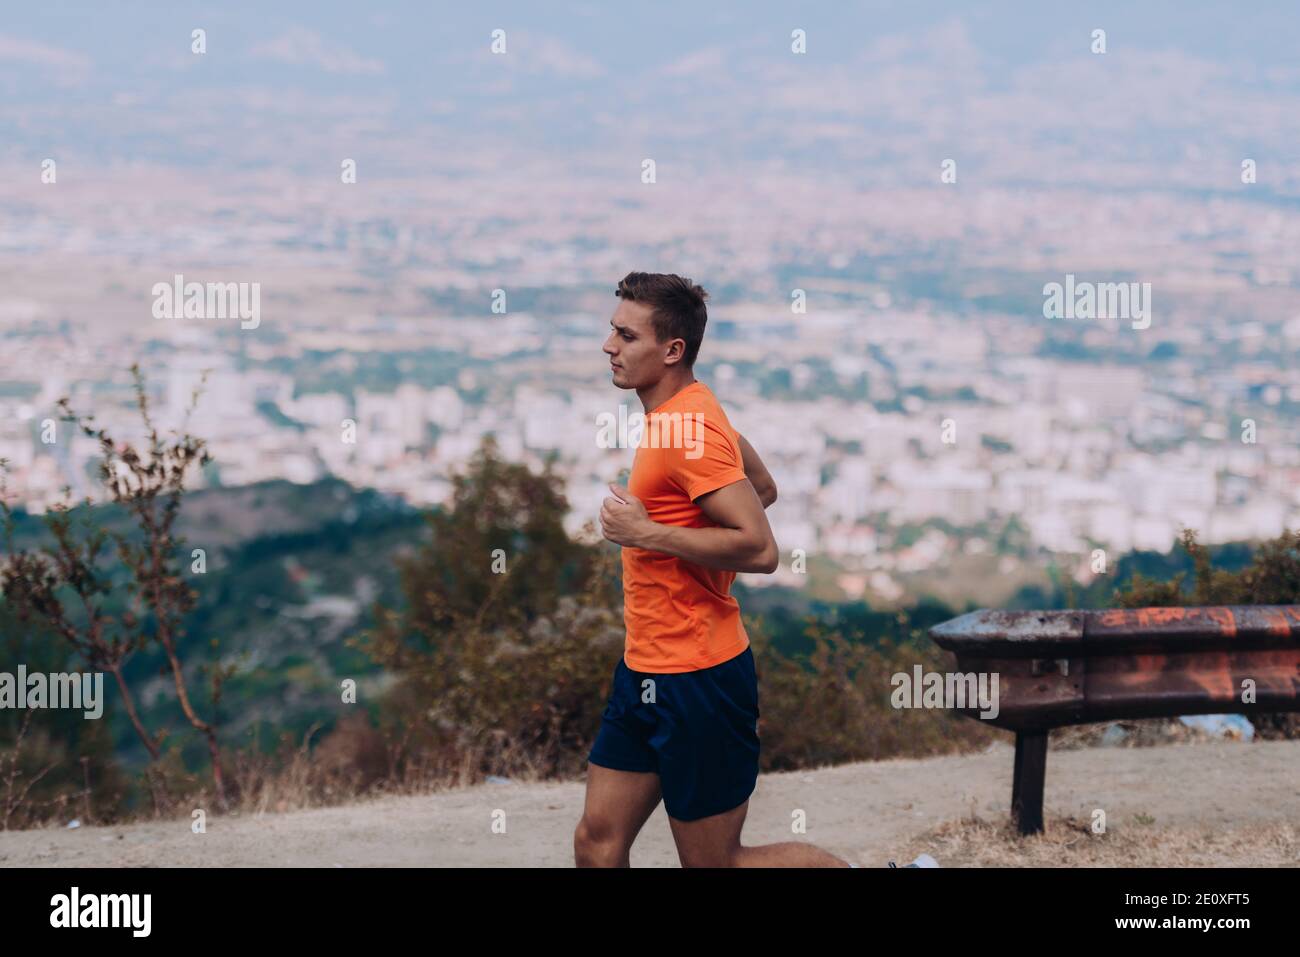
681 722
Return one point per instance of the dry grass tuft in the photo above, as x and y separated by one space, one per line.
1132 842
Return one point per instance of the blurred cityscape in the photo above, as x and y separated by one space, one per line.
876 331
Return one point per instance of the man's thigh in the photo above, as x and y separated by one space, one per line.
618 803
709 841
623 786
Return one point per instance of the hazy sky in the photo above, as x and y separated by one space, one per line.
713 82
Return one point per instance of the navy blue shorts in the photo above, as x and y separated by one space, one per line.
699 734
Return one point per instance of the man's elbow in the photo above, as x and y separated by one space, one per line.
767 558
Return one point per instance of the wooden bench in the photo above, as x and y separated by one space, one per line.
1058 668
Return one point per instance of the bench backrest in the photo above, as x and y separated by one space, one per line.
1072 667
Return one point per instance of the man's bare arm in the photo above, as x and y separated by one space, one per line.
757 473
741 542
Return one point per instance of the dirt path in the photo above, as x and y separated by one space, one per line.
1248 795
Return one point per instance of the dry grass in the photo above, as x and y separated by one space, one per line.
1133 842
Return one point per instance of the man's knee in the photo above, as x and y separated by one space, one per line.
710 857
597 846
720 859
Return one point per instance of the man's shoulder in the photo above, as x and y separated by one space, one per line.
699 414
698 397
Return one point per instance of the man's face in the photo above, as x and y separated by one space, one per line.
637 358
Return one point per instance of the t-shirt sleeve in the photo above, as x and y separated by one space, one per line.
707 459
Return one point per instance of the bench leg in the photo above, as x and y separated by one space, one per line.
1027 781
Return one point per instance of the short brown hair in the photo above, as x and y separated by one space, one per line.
678 304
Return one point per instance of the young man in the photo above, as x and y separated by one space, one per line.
681 722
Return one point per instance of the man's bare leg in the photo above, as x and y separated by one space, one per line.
617 805
715 842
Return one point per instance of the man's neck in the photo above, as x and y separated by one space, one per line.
663 390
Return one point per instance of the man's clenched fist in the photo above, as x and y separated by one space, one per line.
623 518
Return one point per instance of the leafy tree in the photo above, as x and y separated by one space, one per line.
510 628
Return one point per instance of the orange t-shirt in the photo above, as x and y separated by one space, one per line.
681 616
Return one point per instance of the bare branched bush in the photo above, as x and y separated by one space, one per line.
71 588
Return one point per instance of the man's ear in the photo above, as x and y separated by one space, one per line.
676 351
